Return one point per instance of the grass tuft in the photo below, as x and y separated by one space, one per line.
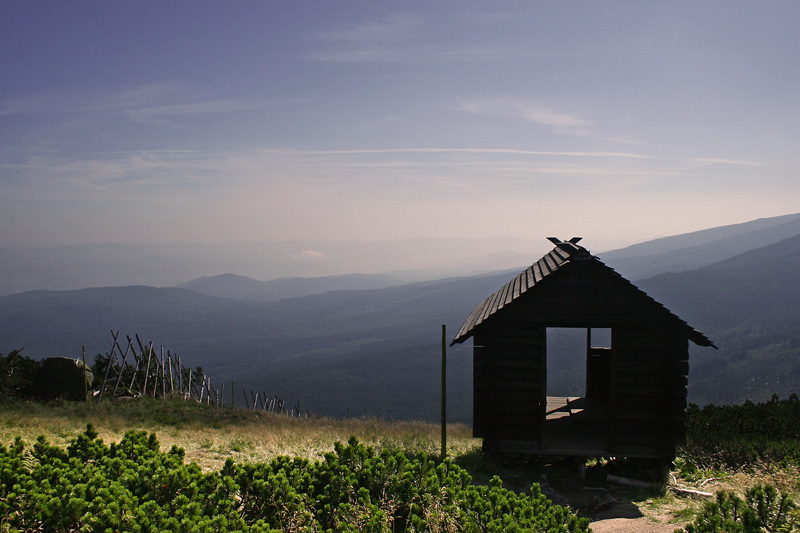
210 435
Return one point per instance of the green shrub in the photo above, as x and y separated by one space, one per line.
17 374
762 510
741 436
132 486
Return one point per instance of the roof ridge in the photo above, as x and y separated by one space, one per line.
562 254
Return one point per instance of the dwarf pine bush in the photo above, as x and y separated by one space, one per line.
762 510
133 486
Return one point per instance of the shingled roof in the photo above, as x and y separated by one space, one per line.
536 274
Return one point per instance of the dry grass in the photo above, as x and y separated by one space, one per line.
210 436
680 509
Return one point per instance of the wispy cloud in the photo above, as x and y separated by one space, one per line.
315 255
723 161
156 102
169 115
410 53
135 174
395 28
368 41
533 111
498 151
94 100
375 173
214 173
400 38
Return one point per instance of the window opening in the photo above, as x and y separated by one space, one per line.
599 337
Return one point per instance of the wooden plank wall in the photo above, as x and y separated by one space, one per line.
509 378
649 391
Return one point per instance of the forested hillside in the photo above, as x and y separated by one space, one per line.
363 352
689 251
749 306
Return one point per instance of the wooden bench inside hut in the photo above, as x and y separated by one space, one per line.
633 364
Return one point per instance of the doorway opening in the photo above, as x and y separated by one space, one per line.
566 362
578 387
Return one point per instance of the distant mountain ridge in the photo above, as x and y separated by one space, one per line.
699 248
410 260
169 264
251 290
749 305
376 351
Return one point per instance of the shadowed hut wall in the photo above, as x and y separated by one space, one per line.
509 379
649 391
678 369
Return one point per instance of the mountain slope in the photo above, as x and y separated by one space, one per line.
758 287
48 323
699 248
748 305
326 349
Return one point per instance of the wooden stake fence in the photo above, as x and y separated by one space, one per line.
132 373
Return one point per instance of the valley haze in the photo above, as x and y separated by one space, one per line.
368 344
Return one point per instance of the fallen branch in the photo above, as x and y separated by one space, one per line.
690 492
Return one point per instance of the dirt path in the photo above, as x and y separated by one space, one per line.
609 507
631 525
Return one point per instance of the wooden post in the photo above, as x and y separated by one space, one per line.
180 375
135 369
147 370
122 368
138 364
85 385
169 365
444 392
111 357
163 376
155 367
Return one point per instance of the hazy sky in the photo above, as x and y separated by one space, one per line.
228 121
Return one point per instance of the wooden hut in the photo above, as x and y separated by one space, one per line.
635 390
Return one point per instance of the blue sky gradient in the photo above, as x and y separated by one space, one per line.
271 121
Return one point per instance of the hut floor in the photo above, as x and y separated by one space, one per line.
575 426
577 410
